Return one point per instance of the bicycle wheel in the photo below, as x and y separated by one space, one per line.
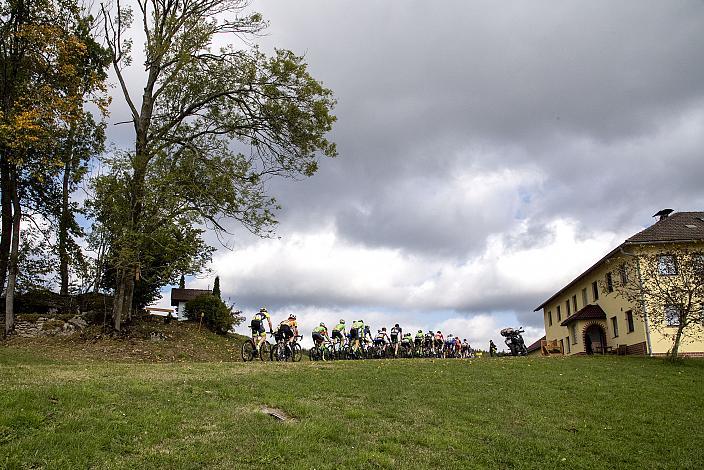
265 351
276 352
315 354
297 353
248 350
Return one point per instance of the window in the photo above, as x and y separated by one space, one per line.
672 315
623 272
562 346
549 318
609 282
667 265
573 331
629 321
559 315
698 263
574 303
595 291
567 307
585 301
567 342
614 326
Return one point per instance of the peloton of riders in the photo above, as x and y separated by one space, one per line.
359 336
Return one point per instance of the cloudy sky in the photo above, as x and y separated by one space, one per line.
489 153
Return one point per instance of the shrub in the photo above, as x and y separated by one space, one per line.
216 315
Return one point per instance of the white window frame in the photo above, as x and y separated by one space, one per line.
667 265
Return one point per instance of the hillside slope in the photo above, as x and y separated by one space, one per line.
146 341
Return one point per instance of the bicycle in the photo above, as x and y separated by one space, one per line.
324 352
285 351
249 350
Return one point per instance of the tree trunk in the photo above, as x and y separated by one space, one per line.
13 265
129 295
676 344
6 214
63 229
119 300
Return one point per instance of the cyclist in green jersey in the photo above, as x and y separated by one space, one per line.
356 332
338 333
320 334
419 338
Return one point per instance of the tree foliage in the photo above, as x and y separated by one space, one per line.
213 125
664 288
50 68
216 315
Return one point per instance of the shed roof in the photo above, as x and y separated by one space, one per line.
535 346
184 295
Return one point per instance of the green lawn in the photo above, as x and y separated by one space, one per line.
604 412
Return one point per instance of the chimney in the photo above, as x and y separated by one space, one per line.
663 214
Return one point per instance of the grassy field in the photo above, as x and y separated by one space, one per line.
604 412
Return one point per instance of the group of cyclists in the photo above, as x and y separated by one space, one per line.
358 342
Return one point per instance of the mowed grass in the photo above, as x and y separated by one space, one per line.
604 412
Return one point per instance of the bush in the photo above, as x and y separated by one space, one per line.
216 315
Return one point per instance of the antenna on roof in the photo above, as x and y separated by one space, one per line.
663 214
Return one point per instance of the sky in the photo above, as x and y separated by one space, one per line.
489 152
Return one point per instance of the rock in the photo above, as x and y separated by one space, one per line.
78 322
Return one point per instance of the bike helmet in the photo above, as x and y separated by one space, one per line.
420 331
342 321
383 329
292 317
322 324
396 325
262 310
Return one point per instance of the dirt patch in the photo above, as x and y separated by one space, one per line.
276 413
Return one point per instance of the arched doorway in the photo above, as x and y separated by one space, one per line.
594 339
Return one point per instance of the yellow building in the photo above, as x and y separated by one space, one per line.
587 316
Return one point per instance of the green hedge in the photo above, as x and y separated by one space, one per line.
216 315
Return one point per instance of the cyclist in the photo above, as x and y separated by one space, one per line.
356 332
381 337
418 340
367 336
257 325
450 342
396 333
428 341
338 333
458 346
439 341
288 329
407 342
320 334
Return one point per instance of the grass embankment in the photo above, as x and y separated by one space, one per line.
573 413
145 341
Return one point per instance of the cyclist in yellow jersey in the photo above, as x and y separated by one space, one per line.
257 325
288 328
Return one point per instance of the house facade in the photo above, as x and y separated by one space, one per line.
587 316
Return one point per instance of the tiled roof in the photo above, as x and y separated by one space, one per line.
590 312
535 346
680 226
184 295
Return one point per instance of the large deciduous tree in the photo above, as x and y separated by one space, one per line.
666 289
48 71
212 123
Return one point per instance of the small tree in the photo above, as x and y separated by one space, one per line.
217 316
667 288
182 282
216 287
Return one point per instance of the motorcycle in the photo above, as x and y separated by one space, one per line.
514 341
